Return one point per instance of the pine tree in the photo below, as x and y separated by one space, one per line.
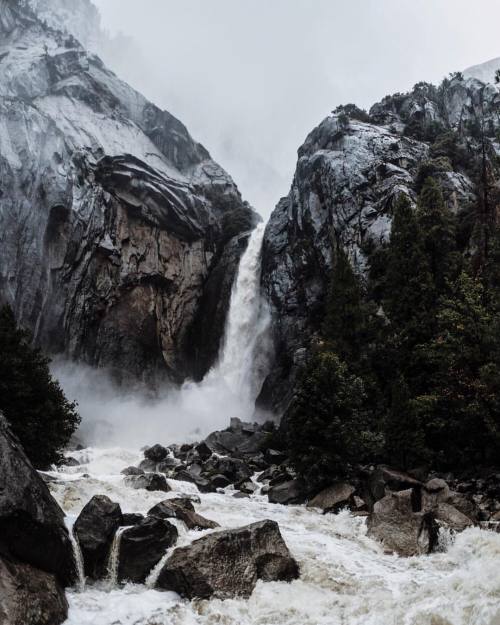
327 427
438 232
344 321
32 401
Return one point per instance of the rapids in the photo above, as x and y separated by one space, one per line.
346 579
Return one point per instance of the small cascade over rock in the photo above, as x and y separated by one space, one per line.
80 569
114 558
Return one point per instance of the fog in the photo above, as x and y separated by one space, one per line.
251 78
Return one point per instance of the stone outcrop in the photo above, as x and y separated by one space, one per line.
143 546
36 555
229 563
32 528
119 233
95 529
350 171
30 596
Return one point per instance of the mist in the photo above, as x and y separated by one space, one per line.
252 79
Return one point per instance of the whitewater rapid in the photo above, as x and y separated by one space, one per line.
346 579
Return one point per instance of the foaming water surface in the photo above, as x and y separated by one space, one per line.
346 578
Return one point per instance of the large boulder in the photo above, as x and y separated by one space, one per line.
399 528
148 481
290 492
143 546
95 529
184 511
386 479
32 528
29 596
333 498
156 453
229 563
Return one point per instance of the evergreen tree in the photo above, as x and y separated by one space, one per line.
326 425
32 401
438 232
344 322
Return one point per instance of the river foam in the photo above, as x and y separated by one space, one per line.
346 578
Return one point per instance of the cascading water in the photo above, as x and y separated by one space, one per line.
114 557
80 571
244 355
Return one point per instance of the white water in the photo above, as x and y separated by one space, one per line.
346 579
114 558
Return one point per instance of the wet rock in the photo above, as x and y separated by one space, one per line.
247 486
240 495
433 493
451 518
132 518
234 469
166 466
95 529
204 486
148 481
148 466
32 528
334 498
291 492
273 456
143 546
220 481
385 479
229 563
204 451
269 473
29 596
394 523
69 461
132 471
184 511
156 453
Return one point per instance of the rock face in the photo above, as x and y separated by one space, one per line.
228 564
115 224
184 511
95 529
143 546
32 528
350 170
30 596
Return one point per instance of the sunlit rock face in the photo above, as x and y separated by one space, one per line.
112 218
348 175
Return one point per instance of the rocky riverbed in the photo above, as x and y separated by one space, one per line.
347 568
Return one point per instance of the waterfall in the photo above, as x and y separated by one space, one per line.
78 560
114 558
244 356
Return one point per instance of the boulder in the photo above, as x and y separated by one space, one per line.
132 471
69 461
434 492
95 529
143 546
451 518
148 481
156 453
291 492
385 479
184 511
229 563
234 469
166 466
394 523
29 596
32 528
204 486
247 486
203 451
220 481
131 518
334 497
273 456
148 466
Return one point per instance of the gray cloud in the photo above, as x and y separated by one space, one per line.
250 78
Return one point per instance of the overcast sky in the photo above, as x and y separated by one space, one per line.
251 78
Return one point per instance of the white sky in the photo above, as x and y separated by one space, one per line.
251 78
